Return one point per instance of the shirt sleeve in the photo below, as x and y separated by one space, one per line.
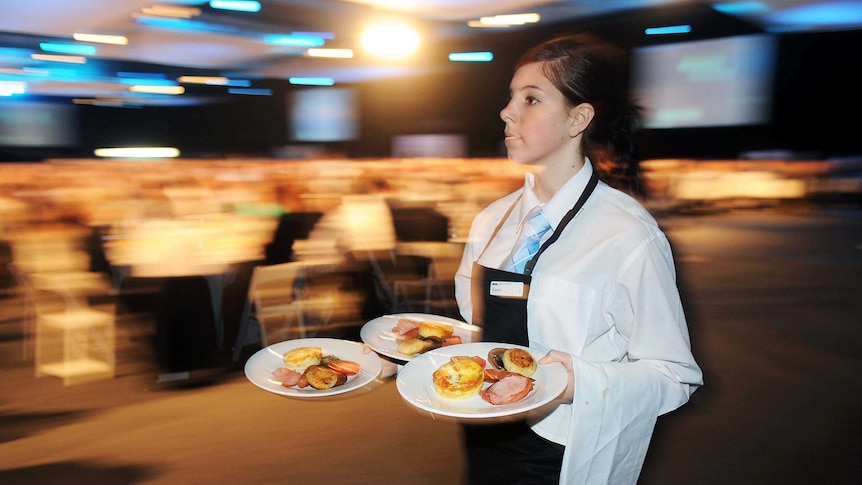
616 404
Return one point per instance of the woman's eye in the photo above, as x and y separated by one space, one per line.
531 100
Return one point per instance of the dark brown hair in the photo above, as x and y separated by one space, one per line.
587 70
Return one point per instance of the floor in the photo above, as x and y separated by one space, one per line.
773 303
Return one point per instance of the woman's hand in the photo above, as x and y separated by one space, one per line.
566 360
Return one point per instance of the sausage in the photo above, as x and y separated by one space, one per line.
509 389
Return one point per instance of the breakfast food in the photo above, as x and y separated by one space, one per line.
509 389
434 329
320 377
464 376
459 379
514 360
301 358
307 366
419 336
412 346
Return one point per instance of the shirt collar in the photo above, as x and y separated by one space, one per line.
556 208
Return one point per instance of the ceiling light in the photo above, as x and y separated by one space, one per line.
58 58
101 38
74 49
471 57
171 11
670 29
250 91
390 40
138 152
237 5
506 20
312 81
295 40
8 88
330 53
210 80
741 8
141 75
140 88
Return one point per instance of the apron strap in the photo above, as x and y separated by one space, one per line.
591 185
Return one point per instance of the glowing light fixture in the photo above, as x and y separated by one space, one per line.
8 88
312 81
59 58
209 80
506 20
670 29
74 49
471 57
101 38
250 91
141 75
138 152
173 90
390 40
236 5
740 8
330 53
835 15
295 40
171 11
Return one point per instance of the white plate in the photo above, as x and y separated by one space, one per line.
416 386
378 334
258 368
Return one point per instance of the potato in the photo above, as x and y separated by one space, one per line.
412 346
320 377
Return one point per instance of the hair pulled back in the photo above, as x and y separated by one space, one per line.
587 70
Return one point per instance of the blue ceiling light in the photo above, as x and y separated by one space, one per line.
295 40
141 75
835 15
312 81
741 8
241 83
251 91
236 5
670 29
471 57
72 49
185 25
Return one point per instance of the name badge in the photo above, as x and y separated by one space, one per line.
510 289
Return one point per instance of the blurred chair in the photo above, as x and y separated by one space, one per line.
435 292
52 256
292 299
75 325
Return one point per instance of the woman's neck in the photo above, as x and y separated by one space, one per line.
549 179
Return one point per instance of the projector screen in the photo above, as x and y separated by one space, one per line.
323 114
37 124
718 82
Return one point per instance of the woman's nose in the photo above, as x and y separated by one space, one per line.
506 113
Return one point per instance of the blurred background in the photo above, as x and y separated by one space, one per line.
183 183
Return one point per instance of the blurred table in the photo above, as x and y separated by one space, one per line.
196 259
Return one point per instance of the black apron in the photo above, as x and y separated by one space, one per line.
511 452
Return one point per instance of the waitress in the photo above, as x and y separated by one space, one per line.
580 271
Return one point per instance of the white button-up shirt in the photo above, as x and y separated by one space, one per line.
604 292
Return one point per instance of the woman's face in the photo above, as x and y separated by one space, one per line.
538 120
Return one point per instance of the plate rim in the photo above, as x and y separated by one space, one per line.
503 411
355 382
416 315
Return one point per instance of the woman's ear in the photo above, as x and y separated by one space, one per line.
580 116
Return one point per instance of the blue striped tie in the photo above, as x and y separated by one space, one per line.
535 226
